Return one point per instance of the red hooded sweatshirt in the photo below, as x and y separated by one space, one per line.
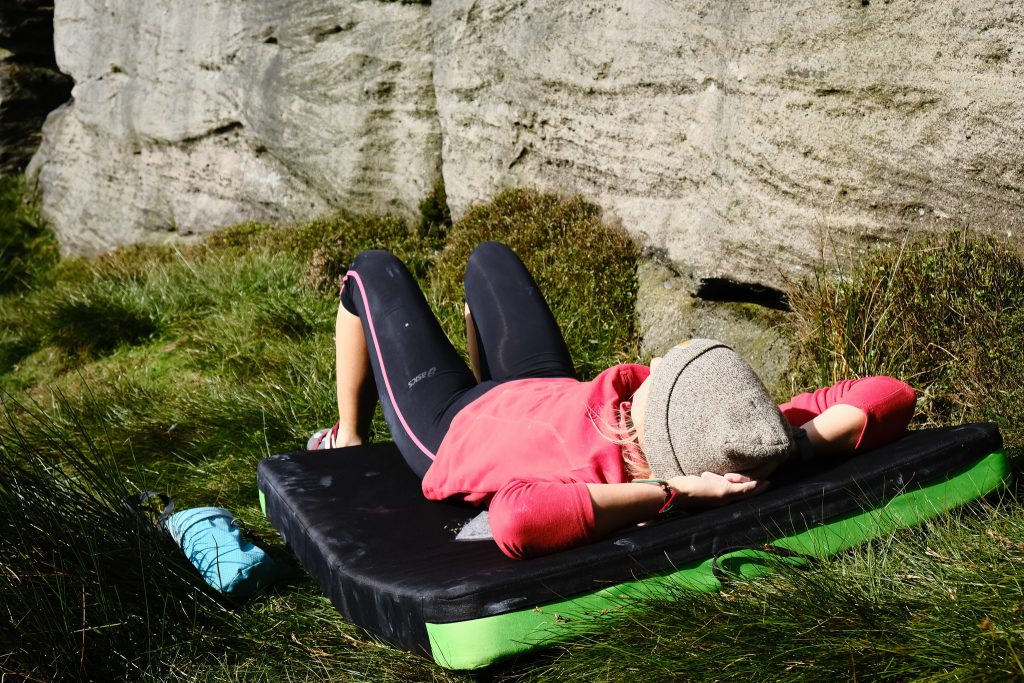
527 449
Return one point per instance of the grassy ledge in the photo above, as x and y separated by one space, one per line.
178 368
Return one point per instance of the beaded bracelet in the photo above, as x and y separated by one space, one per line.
670 493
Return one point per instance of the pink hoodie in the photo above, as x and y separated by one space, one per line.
527 449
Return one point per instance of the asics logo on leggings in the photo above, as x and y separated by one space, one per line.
423 375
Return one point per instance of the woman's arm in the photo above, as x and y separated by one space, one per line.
836 431
853 416
531 518
617 506
849 417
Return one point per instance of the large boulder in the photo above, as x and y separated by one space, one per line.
740 137
196 114
737 138
670 311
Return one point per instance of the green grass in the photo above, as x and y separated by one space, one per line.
27 249
178 369
87 584
946 315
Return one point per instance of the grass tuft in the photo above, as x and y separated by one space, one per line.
96 322
90 587
435 216
946 316
353 234
27 248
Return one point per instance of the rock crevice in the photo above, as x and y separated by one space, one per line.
30 84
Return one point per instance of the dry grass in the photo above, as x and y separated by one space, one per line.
946 315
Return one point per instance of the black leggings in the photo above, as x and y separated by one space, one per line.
422 381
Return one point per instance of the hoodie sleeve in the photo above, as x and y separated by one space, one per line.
887 402
531 518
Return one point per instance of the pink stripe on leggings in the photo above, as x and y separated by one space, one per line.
380 361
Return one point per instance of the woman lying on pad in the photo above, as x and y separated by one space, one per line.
560 462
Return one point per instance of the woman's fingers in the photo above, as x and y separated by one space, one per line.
711 490
731 484
731 477
741 488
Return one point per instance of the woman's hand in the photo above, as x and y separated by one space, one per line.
710 490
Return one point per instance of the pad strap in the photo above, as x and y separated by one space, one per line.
726 578
141 503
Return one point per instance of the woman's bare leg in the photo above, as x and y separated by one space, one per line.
357 394
472 344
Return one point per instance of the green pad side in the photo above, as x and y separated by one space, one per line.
263 503
476 643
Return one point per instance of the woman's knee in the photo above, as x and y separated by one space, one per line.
380 266
373 259
372 270
489 258
486 251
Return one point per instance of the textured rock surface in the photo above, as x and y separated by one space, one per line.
30 84
739 136
669 313
192 115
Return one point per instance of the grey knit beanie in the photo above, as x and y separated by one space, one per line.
707 411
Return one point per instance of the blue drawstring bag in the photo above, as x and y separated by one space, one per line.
215 542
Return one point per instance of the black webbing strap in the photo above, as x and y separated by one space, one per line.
143 503
726 578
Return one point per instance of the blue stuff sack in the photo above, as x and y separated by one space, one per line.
215 543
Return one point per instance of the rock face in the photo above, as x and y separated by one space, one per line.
740 135
736 137
668 313
30 84
192 115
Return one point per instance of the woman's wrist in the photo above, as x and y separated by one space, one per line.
617 506
669 491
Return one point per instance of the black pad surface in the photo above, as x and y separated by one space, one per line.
387 558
